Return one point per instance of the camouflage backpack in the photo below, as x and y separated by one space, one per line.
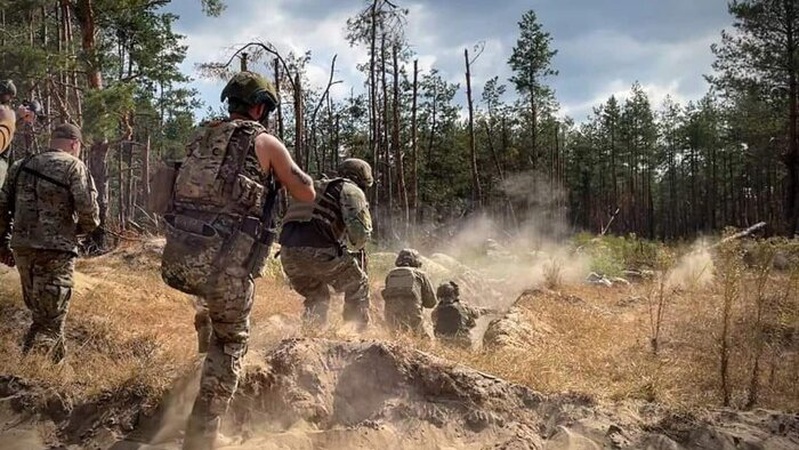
213 180
401 283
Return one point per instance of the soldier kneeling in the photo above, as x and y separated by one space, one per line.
452 319
408 290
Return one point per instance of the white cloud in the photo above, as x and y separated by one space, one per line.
594 65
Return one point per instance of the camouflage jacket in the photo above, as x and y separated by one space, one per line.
454 318
54 200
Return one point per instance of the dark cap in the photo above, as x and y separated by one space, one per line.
67 131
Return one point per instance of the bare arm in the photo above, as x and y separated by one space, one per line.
8 122
273 155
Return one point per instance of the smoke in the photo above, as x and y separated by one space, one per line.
517 243
694 269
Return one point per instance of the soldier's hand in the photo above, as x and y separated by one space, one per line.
7 257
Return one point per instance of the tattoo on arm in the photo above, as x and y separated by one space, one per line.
304 178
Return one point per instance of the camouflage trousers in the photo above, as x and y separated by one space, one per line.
228 300
47 283
404 314
312 271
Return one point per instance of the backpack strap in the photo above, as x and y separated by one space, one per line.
12 207
241 140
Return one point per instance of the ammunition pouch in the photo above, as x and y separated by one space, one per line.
191 251
197 251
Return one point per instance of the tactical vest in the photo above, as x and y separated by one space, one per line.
401 283
325 207
221 172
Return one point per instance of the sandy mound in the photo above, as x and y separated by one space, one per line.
331 394
324 394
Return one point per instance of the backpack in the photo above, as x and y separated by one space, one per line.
401 283
212 179
449 320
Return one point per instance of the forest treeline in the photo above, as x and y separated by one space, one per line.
662 171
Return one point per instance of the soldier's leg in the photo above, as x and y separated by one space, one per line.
202 324
229 304
350 279
24 260
51 291
301 266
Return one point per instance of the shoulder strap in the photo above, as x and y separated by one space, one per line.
13 197
242 140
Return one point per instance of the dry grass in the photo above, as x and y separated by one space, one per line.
129 332
599 345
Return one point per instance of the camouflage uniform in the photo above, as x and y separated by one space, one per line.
452 319
54 200
313 252
407 291
214 248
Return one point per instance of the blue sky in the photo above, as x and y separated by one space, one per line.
603 45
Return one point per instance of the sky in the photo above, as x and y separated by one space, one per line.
603 46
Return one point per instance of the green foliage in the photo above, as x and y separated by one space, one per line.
612 255
107 107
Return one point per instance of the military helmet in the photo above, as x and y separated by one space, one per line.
7 88
34 106
448 291
358 171
408 257
252 89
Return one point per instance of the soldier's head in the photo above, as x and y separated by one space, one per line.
251 96
448 292
7 91
358 171
68 138
408 257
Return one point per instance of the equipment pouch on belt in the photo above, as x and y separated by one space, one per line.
192 249
234 259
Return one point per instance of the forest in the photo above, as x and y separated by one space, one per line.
665 171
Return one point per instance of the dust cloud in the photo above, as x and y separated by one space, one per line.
520 243
693 270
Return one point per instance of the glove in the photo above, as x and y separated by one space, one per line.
7 257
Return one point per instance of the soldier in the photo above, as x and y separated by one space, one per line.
218 234
48 201
452 319
313 252
407 291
